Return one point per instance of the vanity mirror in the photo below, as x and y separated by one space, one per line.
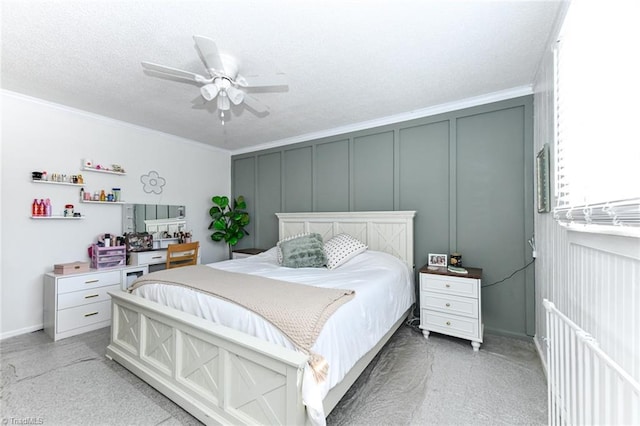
135 215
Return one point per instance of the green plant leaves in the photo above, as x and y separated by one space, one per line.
228 222
220 201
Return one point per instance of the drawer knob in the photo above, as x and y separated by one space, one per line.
447 285
89 296
91 314
91 281
448 322
448 305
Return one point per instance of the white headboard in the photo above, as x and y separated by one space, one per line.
390 232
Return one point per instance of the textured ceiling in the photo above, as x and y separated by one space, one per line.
346 62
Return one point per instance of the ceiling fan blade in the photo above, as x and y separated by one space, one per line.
209 53
262 81
255 104
174 72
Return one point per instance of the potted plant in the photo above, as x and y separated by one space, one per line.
228 222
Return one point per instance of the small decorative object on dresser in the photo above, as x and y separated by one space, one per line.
455 259
71 268
437 259
450 304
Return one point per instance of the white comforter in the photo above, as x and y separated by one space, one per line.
384 291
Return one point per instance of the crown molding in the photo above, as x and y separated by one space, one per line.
397 118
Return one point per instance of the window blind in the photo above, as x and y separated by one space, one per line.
597 142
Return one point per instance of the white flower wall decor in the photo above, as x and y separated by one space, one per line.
152 183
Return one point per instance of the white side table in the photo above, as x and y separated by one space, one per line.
450 304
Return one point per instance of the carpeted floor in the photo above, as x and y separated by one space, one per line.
412 381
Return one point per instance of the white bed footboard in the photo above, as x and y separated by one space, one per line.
219 375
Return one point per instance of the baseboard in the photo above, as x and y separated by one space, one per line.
20 331
505 333
543 360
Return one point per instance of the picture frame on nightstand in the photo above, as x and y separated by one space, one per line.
436 259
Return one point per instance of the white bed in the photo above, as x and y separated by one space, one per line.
241 369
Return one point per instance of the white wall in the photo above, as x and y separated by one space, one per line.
37 135
592 278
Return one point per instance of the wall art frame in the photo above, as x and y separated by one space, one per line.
542 180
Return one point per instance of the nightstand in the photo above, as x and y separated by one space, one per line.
246 252
450 304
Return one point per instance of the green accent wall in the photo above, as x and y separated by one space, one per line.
467 173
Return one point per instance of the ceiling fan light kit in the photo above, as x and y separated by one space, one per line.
223 82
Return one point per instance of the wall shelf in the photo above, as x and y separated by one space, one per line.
112 172
51 182
102 202
58 217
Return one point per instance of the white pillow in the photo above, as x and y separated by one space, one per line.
291 237
341 248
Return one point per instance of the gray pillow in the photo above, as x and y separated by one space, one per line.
306 251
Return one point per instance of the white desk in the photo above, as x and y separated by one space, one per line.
154 259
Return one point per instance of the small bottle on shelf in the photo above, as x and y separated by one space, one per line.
47 207
34 207
103 196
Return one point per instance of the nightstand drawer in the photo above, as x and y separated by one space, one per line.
452 325
448 304
78 298
88 281
84 315
450 285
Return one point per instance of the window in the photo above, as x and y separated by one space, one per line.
597 143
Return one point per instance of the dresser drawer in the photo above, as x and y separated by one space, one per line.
84 315
452 325
149 257
450 285
465 306
83 297
88 281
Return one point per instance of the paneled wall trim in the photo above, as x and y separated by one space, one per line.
467 173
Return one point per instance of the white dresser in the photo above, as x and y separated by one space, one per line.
451 304
77 303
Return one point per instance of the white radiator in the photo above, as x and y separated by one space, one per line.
586 387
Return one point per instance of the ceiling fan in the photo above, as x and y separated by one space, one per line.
222 81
